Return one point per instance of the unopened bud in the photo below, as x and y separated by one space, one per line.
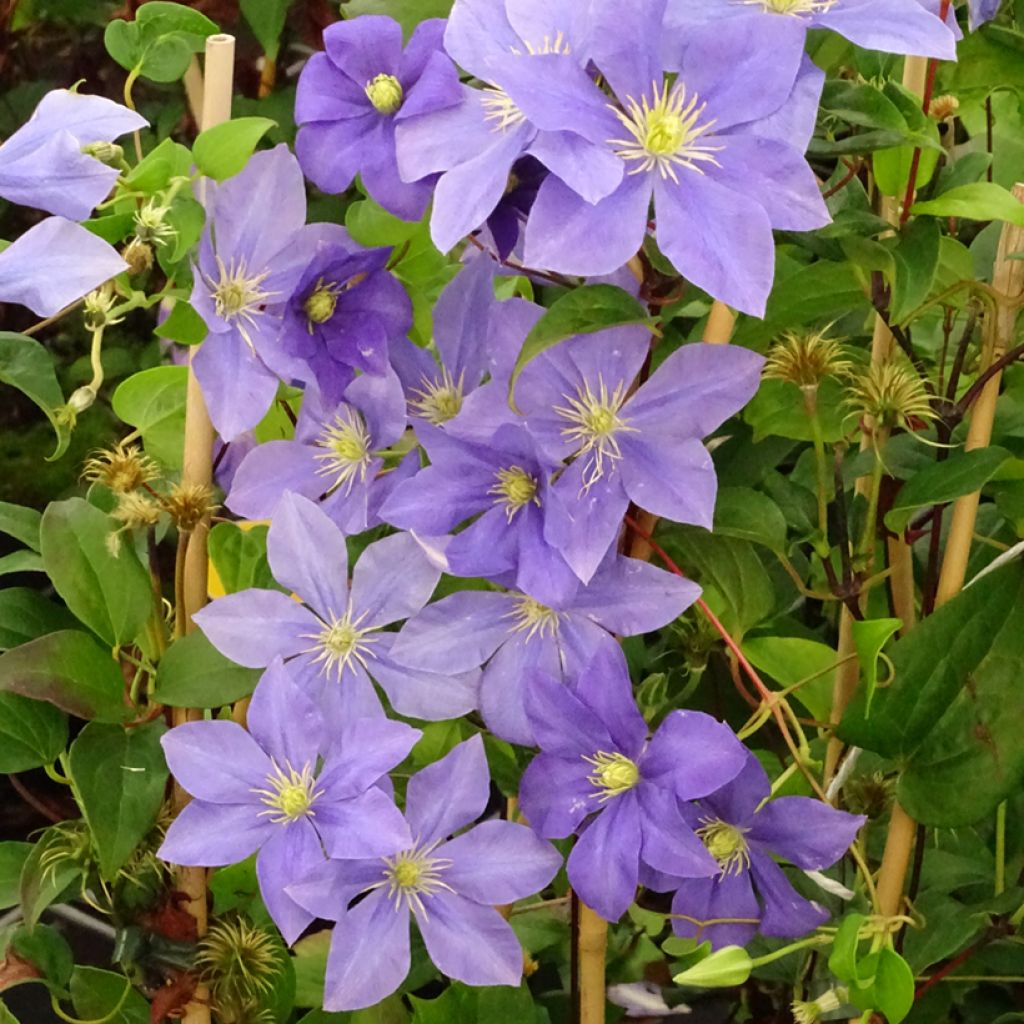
108 153
385 93
81 399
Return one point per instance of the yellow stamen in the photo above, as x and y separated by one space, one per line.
439 400
726 844
346 454
514 489
533 618
341 642
413 874
289 794
385 93
613 775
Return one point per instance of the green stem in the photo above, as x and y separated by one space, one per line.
1000 879
866 549
814 940
822 546
129 102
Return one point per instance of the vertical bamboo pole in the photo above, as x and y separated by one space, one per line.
1008 279
197 469
915 74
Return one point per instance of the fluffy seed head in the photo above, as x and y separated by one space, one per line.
123 468
806 359
241 964
189 504
892 395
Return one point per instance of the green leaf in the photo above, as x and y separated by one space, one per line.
20 561
122 40
32 733
184 325
893 986
110 593
48 951
724 968
25 615
962 473
869 637
944 654
162 17
68 669
154 172
750 515
120 775
12 859
408 13
916 259
984 200
44 880
790 660
310 962
778 410
21 523
842 961
266 19
153 401
103 995
6 1017
27 366
583 310
193 673
222 151
239 557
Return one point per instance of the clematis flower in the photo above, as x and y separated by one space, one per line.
351 98
508 219
742 831
335 453
503 483
268 790
692 145
55 263
252 255
449 886
642 447
981 11
346 310
335 641
475 140
49 162
516 638
600 777
892 26
477 339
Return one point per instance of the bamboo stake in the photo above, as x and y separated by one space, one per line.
915 74
197 469
592 943
1008 280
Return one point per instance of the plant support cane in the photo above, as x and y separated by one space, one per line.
1008 282
592 938
197 471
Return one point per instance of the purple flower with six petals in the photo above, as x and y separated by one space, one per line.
267 790
450 887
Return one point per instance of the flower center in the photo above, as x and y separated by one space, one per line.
413 874
289 794
342 642
237 295
346 454
613 775
791 6
514 489
664 132
533 618
385 93
321 303
440 400
500 109
726 844
594 423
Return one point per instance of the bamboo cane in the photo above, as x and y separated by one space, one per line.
915 74
197 469
1008 280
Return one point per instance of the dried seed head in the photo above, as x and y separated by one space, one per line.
123 468
138 255
870 795
136 510
812 1011
241 964
892 395
189 504
943 107
806 359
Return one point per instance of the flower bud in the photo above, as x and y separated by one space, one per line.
108 153
811 1012
81 399
723 968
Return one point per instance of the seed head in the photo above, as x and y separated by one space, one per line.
241 964
96 309
136 510
943 107
123 468
806 359
189 504
892 395
138 255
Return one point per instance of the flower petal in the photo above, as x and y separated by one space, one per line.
693 754
292 851
787 914
218 762
556 795
450 793
213 835
284 720
369 825
807 833
392 580
712 899
362 750
604 865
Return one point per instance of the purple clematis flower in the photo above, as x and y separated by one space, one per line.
352 97
515 637
450 887
506 222
893 26
55 263
643 447
335 640
346 310
505 484
600 777
268 790
477 338
742 831
47 162
475 140
335 453
252 255
981 11
692 144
